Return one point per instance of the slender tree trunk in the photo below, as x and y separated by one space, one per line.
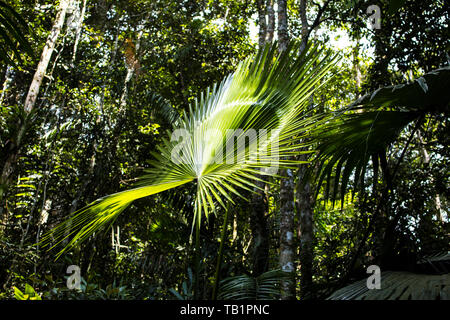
303 19
423 150
124 96
287 206
9 160
261 22
78 32
287 251
305 231
5 87
33 92
357 75
109 72
305 25
131 66
357 68
270 21
131 63
30 101
304 197
305 210
259 204
235 230
283 36
260 230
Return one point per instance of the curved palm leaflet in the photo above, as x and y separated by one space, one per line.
269 90
13 31
348 142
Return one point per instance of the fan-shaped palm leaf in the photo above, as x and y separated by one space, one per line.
264 101
348 142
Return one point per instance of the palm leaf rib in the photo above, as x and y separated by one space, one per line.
263 103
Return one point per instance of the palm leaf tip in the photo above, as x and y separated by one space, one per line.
86 221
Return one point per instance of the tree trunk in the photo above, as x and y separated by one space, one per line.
109 72
78 32
131 63
305 232
30 101
5 87
259 203
33 92
357 68
287 207
260 230
270 21
287 252
305 25
283 36
261 23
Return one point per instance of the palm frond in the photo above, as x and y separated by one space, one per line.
264 103
264 287
428 93
13 30
161 108
83 223
398 286
349 141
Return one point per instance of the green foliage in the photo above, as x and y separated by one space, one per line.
348 142
13 32
187 287
245 287
29 293
266 91
398 286
425 94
